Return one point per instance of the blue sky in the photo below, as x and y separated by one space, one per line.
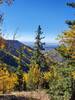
24 16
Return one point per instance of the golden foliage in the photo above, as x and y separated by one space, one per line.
7 80
26 77
68 40
2 43
34 74
47 75
73 75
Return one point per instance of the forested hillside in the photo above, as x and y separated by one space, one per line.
34 73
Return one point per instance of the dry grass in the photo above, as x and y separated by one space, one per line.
31 95
39 95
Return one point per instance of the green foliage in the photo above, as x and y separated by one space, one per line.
60 89
20 86
67 40
38 56
60 85
38 63
62 50
62 80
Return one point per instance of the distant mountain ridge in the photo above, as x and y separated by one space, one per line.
17 44
14 45
10 55
48 46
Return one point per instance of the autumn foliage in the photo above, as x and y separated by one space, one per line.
7 80
2 43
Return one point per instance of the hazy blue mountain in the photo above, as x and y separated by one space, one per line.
48 46
55 56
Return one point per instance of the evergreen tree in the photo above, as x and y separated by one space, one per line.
20 86
71 22
38 61
38 56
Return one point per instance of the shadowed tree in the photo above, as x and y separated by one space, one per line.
21 84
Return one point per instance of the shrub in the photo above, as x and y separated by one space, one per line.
60 85
7 80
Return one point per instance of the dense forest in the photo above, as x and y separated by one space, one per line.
23 68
